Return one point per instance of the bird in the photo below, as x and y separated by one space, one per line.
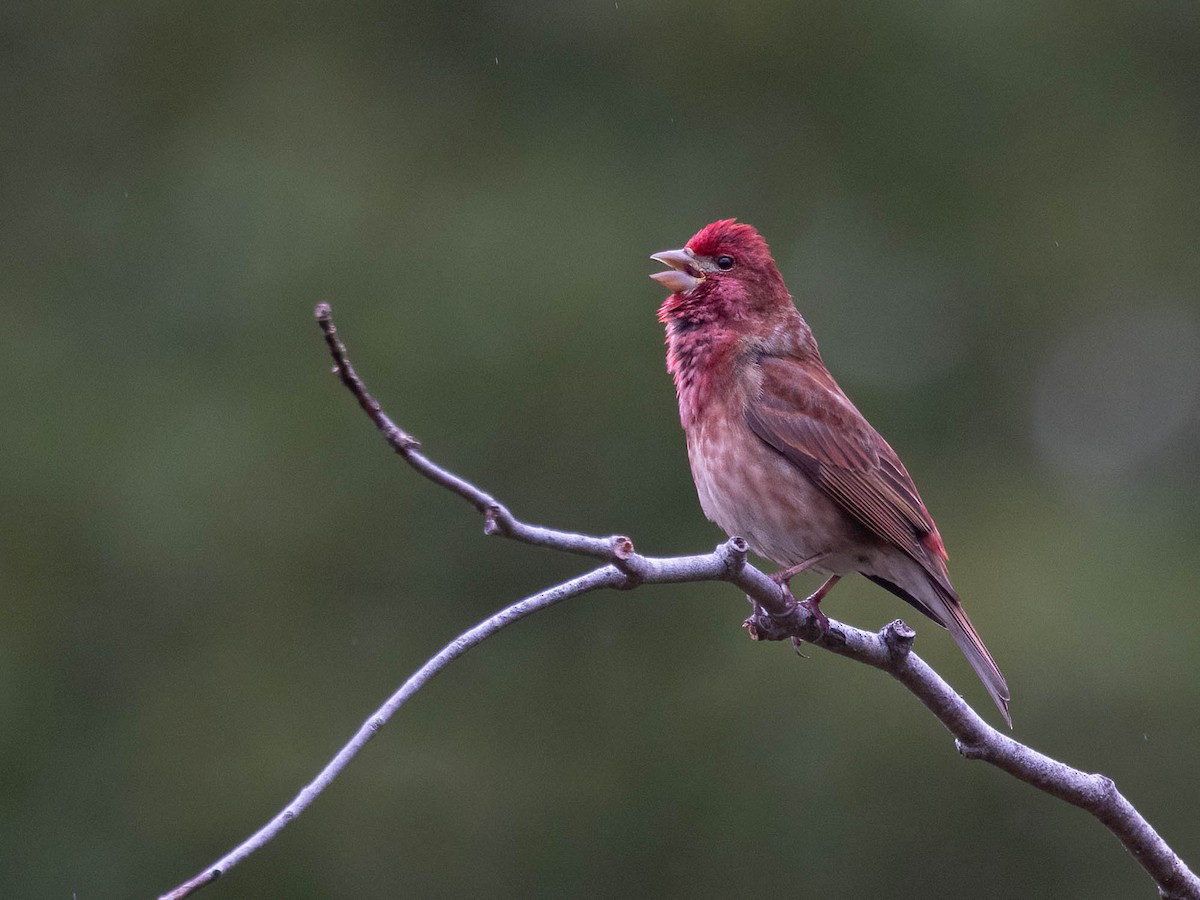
780 455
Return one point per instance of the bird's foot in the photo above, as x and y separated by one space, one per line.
812 603
804 616
760 625
763 626
820 621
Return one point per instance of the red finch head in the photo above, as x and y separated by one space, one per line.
724 274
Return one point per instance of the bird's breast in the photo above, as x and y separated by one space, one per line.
749 489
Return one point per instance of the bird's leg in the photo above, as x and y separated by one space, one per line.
761 625
784 576
813 602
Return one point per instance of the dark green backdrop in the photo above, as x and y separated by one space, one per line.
212 569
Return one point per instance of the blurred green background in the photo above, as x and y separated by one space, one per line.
213 569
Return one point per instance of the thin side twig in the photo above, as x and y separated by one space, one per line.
776 616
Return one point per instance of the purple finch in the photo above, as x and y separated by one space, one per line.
779 454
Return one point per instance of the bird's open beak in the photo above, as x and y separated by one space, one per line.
683 276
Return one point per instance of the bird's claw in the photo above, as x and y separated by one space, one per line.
759 624
819 618
804 616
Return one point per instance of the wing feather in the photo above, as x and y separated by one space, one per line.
802 413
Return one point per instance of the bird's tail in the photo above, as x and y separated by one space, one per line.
972 646
942 605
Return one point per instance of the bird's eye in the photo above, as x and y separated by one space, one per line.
724 263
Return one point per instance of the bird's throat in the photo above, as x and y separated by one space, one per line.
700 358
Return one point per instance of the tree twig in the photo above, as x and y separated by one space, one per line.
775 616
605 576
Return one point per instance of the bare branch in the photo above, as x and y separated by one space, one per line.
776 616
497 518
605 576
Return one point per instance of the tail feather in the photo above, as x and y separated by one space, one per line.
977 654
942 605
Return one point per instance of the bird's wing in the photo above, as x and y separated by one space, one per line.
803 414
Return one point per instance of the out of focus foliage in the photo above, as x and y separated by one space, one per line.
212 569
